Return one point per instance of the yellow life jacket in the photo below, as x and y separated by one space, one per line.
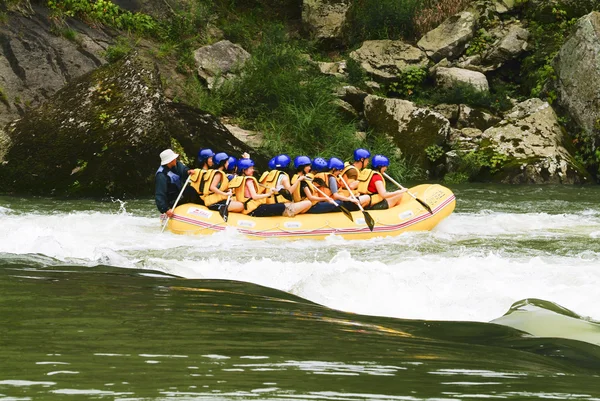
325 177
209 197
298 194
269 180
364 178
197 181
341 187
238 185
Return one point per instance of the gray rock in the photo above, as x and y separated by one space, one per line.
532 140
101 135
450 38
337 69
324 19
353 96
449 111
449 77
251 138
474 118
512 44
412 128
35 63
384 60
220 61
577 68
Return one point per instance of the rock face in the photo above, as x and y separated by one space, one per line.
325 19
35 63
450 38
384 60
220 61
530 142
578 73
413 129
101 135
511 45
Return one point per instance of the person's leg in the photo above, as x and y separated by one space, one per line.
394 200
298 207
236 207
324 207
275 209
380 206
364 200
351 206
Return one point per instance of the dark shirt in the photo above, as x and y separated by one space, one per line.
163 197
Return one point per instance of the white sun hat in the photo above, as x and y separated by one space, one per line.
167 156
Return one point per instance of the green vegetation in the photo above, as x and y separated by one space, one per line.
393 19
470 164
434 152
546 39
103 12
410 79
119 50
3 97
480 43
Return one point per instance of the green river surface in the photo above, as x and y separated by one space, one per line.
499 301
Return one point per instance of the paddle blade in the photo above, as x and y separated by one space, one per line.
369 220
224 212
425 205
346 213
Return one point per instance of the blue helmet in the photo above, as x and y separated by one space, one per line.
361 153
205 154
319 164
335 163
243 164
232 164
380 161
220 158
301 161
282 162
272 164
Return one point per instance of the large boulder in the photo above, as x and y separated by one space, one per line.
528 147
385 60
36 62
101 135
412 128
449 77
325 19
450 39
511 44
578 73
220 61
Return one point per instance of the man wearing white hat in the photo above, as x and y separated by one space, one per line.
169 181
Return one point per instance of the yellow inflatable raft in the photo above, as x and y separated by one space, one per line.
409 215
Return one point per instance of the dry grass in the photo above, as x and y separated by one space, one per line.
434 12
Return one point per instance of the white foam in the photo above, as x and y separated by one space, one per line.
467 268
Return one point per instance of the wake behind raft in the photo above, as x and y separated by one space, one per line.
408 215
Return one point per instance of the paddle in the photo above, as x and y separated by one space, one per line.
224 210
425 205
368 219
176 201
342 208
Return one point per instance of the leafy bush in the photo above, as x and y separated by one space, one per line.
409 81
103 12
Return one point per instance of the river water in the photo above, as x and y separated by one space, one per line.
498 301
